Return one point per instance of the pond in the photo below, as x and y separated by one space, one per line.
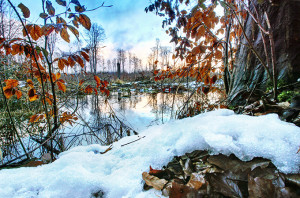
105 120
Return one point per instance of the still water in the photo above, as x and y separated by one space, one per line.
105 120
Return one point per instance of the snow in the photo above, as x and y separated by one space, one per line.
82 170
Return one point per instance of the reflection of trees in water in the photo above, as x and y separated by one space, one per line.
99 123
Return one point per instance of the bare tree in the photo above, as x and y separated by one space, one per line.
109 67
95 37
121 58
114 63
165 51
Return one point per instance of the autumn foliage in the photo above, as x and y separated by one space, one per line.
44 84
205 41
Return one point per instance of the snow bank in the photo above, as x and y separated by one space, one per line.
118 173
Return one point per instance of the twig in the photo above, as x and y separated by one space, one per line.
133 141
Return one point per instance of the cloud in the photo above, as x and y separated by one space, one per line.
126 23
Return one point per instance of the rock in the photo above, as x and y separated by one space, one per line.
248 69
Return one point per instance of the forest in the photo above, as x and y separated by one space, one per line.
160 98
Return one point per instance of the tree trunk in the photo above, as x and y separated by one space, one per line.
249 74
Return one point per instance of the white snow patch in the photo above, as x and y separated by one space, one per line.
118 173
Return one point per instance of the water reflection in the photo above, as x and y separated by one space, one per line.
105 120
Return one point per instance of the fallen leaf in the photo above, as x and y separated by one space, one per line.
196 181
153 181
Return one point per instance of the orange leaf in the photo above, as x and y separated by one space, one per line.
61 64
15 49
65 35
106 91
155 172
95 90
85 21
61 86
88 89
18 94
25 10
8 92
81 82
58 75
33 118
30 83
98 81
67 117
11 83
28 27
32 95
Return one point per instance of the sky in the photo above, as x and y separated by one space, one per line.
126 24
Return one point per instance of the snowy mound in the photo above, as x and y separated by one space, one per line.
118 173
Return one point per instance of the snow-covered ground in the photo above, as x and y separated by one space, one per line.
82 171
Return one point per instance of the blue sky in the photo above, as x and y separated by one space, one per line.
126 24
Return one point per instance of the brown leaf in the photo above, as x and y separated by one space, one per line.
61 86
61 63
153 181
85 21
65 35
79 9
85 56
50 8
225 183
60 20
61 2
47 29
218 54
260 187
79 60
35 32
28 28
25 10
75 21
74 31
43 15
180 191
33 164
196 181
71 61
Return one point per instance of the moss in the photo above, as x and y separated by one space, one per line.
287 95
